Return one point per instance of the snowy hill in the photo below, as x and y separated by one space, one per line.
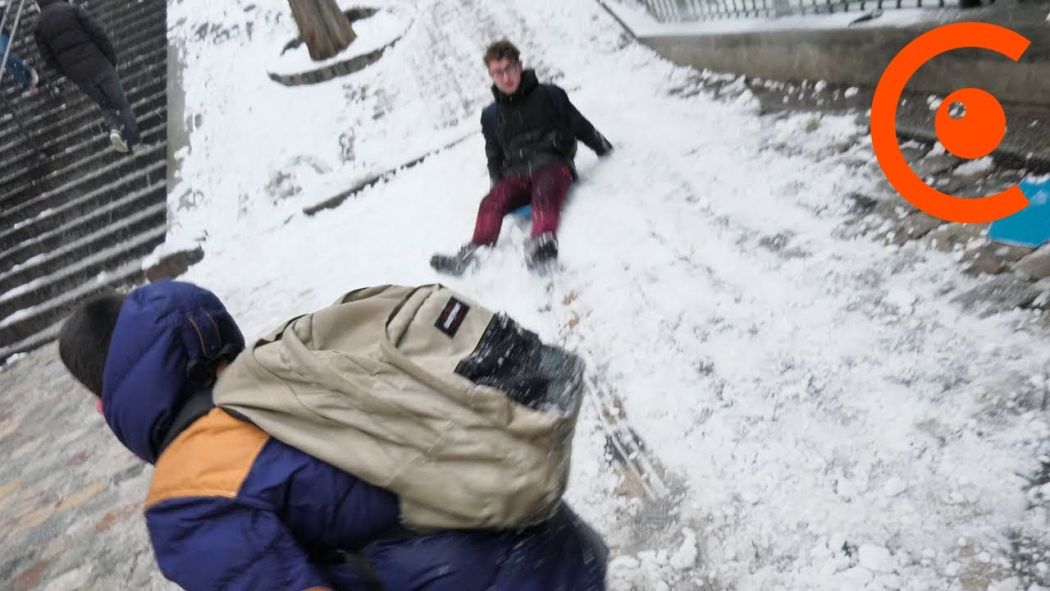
822 411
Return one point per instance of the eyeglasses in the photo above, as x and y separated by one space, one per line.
504 72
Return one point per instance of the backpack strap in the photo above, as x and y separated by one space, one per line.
195 407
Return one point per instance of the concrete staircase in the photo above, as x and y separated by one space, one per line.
77 218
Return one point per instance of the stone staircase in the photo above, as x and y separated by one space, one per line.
77 218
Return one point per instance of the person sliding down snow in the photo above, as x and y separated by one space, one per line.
530 140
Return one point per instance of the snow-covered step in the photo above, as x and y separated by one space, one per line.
74 144
64 181
83 225
50 125
62 170
61 134
33 341
26 322
111 234
54 115
63 167
44 212
113 217
102 188
62 117
44 288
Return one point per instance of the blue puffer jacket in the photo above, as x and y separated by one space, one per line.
231 508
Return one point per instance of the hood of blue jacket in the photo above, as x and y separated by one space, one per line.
163 328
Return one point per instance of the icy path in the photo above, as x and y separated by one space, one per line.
827 416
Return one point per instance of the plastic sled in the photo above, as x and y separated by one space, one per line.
1031 226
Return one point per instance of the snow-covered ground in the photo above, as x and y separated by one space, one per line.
827 416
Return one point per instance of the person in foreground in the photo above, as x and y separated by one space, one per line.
230 507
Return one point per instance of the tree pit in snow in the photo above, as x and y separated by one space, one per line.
377 31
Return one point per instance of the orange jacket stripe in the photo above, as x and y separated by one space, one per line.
212 457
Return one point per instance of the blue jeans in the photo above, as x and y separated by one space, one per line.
15 66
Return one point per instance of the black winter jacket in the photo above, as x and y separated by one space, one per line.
534 127
71 42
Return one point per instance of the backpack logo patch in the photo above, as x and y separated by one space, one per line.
452 317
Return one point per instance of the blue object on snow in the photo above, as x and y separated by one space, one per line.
525 211
1030 226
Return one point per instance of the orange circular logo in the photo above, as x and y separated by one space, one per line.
973 135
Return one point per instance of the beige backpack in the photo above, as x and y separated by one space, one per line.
462 413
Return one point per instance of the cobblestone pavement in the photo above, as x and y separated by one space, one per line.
70 495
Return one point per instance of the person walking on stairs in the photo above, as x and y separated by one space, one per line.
73 43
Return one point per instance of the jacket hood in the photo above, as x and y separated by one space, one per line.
168 335
528 83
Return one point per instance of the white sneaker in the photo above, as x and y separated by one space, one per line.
118 142
34 81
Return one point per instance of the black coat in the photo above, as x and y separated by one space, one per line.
71 42
534 127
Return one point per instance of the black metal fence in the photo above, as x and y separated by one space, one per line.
696 10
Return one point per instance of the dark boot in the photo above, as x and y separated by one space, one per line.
454 264
541 252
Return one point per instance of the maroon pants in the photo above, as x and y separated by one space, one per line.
545 191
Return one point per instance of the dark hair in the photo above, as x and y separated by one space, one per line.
501 49
83 342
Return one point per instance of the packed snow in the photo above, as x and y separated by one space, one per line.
828 417
975 167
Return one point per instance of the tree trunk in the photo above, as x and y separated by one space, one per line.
322 26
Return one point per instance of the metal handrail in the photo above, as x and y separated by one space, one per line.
699 10
11 37
3 69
